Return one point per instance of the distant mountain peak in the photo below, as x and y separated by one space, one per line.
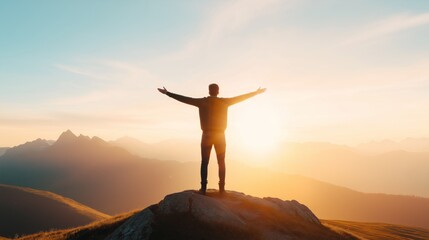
66 137
68 133
31 146
98 140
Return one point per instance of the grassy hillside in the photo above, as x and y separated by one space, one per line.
25 210
378 231
95 230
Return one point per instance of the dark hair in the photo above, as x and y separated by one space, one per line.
213 89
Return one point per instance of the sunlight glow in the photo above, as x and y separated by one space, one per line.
256 127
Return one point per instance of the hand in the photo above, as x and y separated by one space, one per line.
163 90
260 90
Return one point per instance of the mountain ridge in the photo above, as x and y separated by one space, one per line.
407 144
25 210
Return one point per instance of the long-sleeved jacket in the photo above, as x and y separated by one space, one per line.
213 110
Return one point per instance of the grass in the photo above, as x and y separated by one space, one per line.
378 231
96 230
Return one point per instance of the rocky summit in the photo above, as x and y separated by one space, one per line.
232 215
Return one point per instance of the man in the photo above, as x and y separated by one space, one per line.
213 120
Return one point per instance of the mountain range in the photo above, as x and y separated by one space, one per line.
394 167
394 171
112 180
181 150
93 172
407 144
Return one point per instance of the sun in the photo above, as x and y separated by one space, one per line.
255 126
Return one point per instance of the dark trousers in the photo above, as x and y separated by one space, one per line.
216 139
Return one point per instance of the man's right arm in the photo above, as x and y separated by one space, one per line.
180 98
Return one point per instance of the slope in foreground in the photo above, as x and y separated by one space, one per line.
189 215
26 210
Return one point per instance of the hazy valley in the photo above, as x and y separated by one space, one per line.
376 167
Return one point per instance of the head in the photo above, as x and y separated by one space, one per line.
213 89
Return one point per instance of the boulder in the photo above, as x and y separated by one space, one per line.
232 215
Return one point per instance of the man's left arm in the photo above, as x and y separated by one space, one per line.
243 97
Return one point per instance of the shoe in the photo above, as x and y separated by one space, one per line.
221 188
202 191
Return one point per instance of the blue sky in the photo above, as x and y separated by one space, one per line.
339 71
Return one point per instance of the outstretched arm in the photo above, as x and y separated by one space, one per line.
180 98
243 97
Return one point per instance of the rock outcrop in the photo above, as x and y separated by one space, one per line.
233 215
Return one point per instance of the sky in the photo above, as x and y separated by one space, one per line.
339 71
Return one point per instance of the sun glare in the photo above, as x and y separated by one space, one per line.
256 127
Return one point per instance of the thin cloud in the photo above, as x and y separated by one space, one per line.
78 71
234 15
25 121
103 118
382 81
125 71
92 97
111 70
228 18
119 80
387 27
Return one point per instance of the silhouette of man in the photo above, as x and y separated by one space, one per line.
213 120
